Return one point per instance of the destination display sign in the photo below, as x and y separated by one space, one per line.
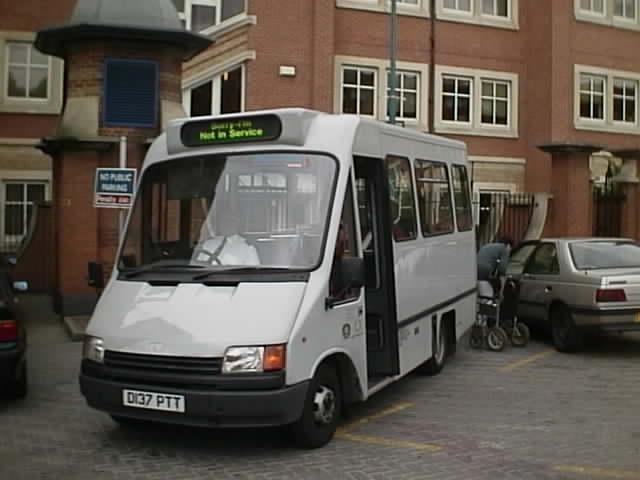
258 128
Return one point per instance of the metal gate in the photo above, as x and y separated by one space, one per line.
500 214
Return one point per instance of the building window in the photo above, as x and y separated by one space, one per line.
624 100
223 93
492 13
456 99
625 9
27 72
592 6
495 8
418 8
358 90
476 102
495 102
406 93
130 97
434 198
458 5
592 96
19 199
201 15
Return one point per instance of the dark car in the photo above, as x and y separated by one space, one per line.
13 337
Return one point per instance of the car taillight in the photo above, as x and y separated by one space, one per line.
611 295
8 331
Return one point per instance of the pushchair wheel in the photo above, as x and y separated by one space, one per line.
496 339
476 337
520 335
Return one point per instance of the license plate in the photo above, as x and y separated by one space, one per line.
153 401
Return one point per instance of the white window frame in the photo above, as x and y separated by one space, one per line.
591 11
608 16
495 9
358 86
52 105
608 124
222 26
216 85
419 9
400 91
381 66
624 17
495 99
624 98
21 176
29 66
475 126
456 95
457 10
477 16
592 94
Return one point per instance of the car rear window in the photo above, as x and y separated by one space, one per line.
601 255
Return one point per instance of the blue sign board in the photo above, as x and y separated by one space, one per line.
114 187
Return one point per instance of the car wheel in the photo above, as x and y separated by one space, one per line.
564 333
440 351
321 412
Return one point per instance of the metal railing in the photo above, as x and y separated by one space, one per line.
499 215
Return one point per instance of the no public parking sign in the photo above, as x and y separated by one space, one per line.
114 187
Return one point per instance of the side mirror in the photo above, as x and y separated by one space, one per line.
21 286
96 275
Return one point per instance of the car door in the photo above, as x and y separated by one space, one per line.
541 272
515 269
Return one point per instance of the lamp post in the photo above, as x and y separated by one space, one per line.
393 41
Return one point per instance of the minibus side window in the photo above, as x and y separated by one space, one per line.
401 199
434 197
345 246
462 198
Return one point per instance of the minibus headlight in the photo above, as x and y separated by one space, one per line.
254 359
93 349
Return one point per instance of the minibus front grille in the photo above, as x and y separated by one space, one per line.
161 363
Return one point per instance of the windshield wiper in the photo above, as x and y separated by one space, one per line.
210 273
159 266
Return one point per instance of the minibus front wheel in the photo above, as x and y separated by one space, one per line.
321 411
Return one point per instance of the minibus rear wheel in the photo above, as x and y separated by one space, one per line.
321 411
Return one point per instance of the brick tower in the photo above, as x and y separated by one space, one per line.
123 64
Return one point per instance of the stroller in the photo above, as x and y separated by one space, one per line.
496 313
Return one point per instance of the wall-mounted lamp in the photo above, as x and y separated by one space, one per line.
287 71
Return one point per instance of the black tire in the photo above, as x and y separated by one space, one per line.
566 337
520 335
316 428
20 386
496 339
440 351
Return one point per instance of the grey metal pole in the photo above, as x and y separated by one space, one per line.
393 45
123 164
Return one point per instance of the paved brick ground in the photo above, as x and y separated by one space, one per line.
520 414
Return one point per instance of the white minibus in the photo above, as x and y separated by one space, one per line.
279 266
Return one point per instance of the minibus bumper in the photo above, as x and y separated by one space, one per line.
203 407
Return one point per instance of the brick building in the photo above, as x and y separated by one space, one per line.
505 76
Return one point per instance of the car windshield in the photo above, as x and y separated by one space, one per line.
258 210
605 254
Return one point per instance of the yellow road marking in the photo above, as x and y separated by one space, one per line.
527 360
383 413
598 472
389 442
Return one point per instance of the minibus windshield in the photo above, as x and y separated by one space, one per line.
218 212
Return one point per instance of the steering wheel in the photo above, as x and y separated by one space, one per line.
211 257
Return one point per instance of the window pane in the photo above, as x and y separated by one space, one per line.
463 109
618 87
585 83
585 4
487 7
14 192
630 111
487 89
503 8
585 106
448 108
18 53
38 83
202 17
464 87
464 5
598 107
35 193
502 90
231 8
487 111
410 109
450 4
350 76
350 100
38 58
462 198
448 85
434 200
411 82
630 7
617 8
231 92
618 105
598 85
13 220
201 100
502 114
598 6
17 82
402 210
366 102
366 78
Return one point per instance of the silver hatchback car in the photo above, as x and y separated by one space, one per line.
578 285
